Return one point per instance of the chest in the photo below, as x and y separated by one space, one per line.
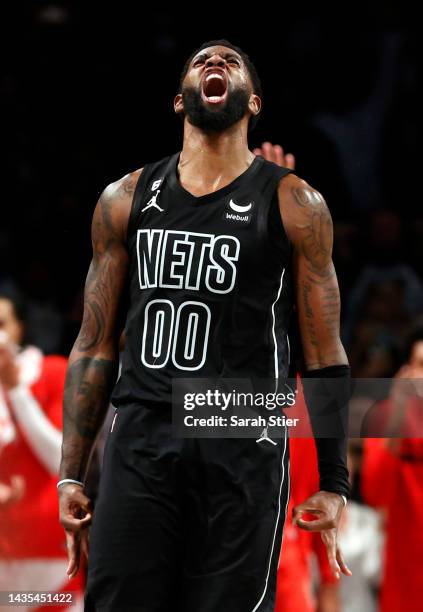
201 246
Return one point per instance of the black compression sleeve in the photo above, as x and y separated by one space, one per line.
327 392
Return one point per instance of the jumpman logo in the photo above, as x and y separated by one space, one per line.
264 437
153 202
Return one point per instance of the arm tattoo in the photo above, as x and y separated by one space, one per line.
92 329
308 310
98 294
102 281
93 363
129 185
328 306
317 288
88 386
316 229
89 382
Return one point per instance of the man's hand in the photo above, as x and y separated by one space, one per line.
275 154
327 507
75 517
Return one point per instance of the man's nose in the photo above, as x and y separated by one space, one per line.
215 60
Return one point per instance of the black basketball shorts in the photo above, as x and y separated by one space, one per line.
185 525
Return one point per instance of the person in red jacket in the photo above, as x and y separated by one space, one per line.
392 480
32 543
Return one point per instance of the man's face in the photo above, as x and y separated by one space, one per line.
217 90
9 323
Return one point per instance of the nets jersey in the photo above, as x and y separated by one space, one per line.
209 282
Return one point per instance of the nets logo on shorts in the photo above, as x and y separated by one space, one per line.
238 213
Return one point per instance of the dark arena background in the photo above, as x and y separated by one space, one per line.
87 95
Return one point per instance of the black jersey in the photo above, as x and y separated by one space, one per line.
209 282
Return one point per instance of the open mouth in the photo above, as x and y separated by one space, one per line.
215 88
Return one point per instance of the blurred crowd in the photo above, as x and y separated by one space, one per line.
356 142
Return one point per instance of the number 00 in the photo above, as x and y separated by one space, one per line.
181 336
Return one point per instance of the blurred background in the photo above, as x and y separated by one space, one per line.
87 93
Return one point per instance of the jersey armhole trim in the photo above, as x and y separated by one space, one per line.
136 198
285 233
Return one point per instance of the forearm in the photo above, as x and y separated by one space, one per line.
89 382
326 364
319 309
327 391
332 461
40 433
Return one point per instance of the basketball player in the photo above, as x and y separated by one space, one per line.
208 239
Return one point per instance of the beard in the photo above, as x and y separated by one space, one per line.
216 120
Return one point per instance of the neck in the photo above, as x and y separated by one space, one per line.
215 154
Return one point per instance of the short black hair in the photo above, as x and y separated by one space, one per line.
255 80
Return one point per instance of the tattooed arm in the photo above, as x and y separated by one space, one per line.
308 225
93 362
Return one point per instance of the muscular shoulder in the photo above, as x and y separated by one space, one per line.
305 215
123 189
114 206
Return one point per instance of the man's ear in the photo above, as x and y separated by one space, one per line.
254 105
178 105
